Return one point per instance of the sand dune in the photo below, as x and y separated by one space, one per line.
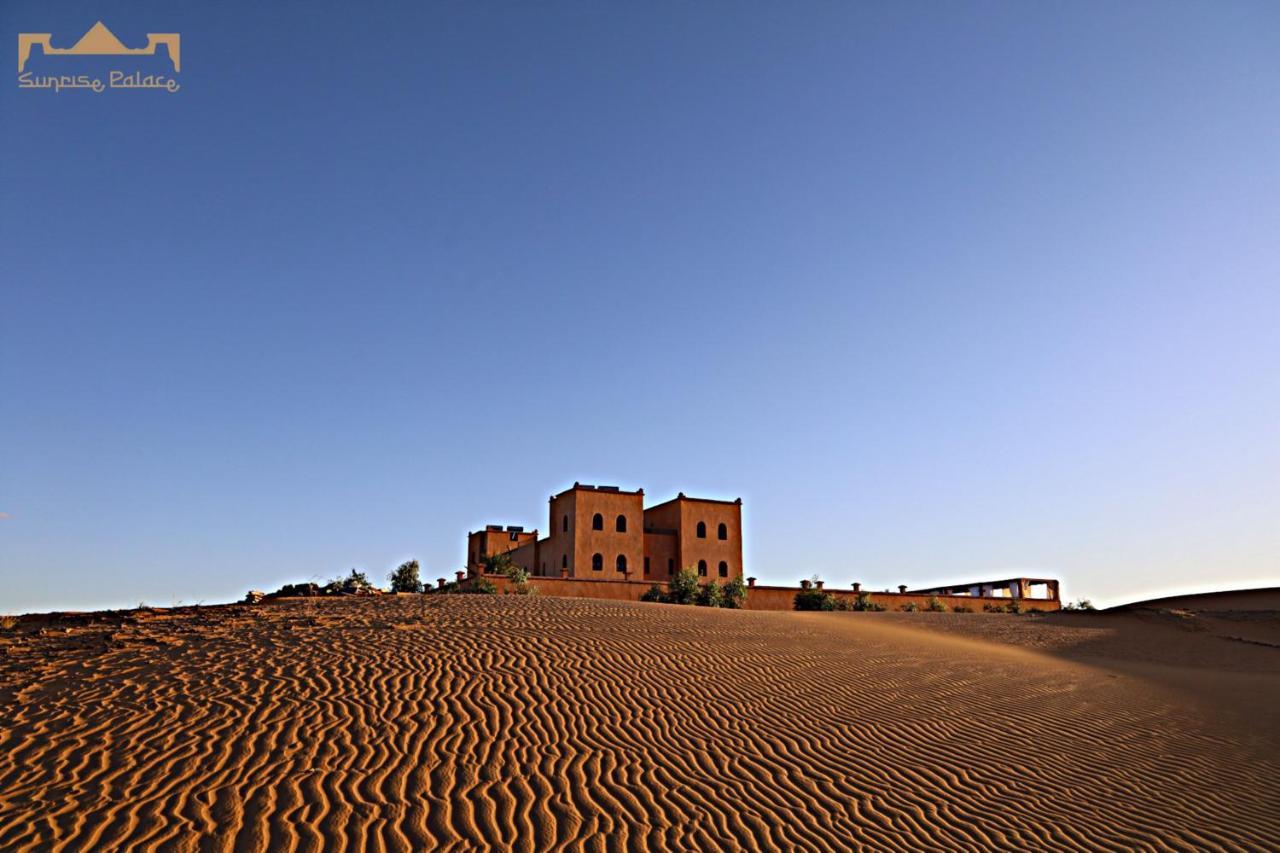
537 723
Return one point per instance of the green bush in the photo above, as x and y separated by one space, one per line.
683 588
994 608
498 564
864 604
1080 604
911 607
406 578
735 593
654 593
962 608
483 586
710 595
814 599
935 605
1013 606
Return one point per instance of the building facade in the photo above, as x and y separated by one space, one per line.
605 533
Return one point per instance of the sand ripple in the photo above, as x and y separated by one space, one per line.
537 724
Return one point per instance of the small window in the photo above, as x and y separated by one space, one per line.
723 532
544 568
646 565
564 561
671 567
702 530
702 568
597 562
621 562
597 522
621 524
564 525
724 569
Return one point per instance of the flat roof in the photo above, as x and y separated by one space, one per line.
1004 582
683 497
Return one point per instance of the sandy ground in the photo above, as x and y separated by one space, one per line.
414 722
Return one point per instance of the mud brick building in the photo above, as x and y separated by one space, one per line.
605 533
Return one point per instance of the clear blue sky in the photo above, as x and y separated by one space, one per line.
942 291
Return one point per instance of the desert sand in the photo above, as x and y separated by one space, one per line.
410 722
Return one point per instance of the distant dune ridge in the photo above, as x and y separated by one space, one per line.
535 723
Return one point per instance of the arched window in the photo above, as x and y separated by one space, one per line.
564 525
597 522
724 569
702 530
702 568
622 562
723 531
597 562
621 524
564 561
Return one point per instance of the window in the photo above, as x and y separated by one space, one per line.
702 530
671 567
564 561
724 569
702 568
544 569
621 524
564 525
597 562
646 565
723 531
622 562
597 522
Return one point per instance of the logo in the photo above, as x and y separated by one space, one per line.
99 41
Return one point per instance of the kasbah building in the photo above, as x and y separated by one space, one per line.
605 533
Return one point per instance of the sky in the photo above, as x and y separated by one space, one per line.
943 292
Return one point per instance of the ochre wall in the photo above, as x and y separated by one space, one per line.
661 550
712 549
484 542
758 598
607 542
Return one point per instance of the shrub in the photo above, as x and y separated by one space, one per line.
356 582
735 593
498 564
482 586
8 623
683 588
814 599
710 595
962 608
1013 606
1080 604
910 607
654 593
994 608
406 578
935 605
518 576
864 604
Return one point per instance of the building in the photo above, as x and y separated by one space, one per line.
605 533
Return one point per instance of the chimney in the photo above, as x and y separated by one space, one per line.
902 588
460 575
857 587
819 584
806 584
751 583
439 583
